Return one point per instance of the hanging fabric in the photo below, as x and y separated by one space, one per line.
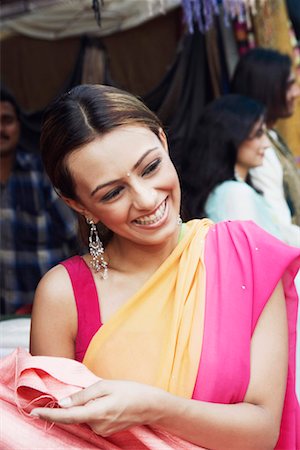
201 12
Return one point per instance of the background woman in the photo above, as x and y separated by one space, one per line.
181 314
231 141
267 75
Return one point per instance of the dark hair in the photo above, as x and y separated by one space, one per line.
6 96
263 74
224 125
77 118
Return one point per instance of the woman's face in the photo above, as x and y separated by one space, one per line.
251 151
126 180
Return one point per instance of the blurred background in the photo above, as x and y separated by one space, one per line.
177 55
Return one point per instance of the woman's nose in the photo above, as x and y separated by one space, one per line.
265 141
144 197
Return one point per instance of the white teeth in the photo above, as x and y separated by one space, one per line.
148 220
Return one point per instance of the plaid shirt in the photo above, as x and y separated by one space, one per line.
37 231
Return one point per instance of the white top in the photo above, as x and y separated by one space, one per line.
269 179
236 200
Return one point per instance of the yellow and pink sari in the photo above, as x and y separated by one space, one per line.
188 331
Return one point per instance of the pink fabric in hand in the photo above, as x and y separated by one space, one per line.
31 381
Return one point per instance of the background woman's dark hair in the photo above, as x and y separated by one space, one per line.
224 125
263 74
77 118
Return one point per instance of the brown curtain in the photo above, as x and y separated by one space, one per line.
35 70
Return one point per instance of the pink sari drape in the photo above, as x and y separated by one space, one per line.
244 264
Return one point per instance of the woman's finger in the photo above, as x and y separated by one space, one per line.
76 414
83 396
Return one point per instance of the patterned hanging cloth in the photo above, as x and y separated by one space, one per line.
201 12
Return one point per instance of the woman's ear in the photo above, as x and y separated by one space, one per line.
74 204
163 139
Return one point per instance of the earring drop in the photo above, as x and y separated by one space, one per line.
179 220
97 263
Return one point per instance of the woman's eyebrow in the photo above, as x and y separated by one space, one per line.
137 164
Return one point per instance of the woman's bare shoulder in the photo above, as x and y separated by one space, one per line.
54 283
54 315
54 294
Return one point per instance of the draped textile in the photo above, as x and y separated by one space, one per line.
237 288
64 19
181 96
165 317
243 265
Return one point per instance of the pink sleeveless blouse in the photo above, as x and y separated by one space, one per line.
86 298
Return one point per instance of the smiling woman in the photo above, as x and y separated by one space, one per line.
132 207
178 306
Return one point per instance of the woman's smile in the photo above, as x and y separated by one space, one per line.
155 218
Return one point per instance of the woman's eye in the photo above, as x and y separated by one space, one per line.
260 133
151 167
112 194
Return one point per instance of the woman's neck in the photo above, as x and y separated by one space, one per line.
240 172
127 256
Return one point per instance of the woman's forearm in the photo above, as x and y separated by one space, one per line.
241 426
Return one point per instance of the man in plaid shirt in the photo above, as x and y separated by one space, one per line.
37 229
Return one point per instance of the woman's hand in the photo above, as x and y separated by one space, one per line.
107 406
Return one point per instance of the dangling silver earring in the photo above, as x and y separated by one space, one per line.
96 251
179 220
